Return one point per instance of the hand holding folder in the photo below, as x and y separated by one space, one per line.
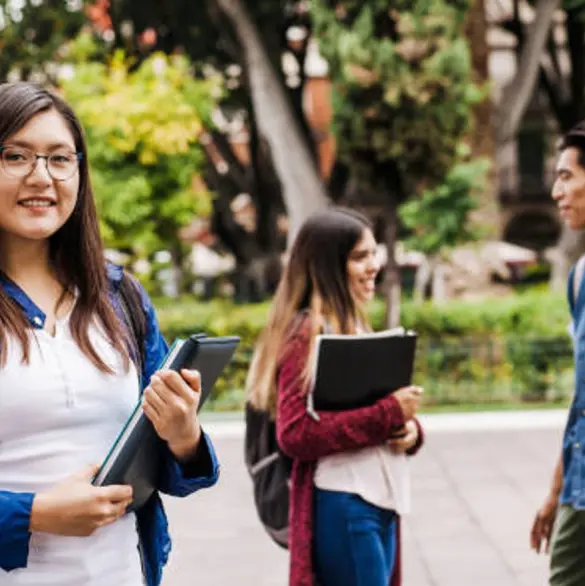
354 371
135 456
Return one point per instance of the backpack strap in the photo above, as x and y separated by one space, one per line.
575 281
134 318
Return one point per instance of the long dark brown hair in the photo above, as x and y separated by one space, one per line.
314 282
75 250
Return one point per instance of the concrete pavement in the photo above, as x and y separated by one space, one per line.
476 486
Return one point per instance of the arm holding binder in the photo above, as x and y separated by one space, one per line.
171 402
302 437
175 478
136 456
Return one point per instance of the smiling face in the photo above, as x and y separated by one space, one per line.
569 188
362 267
35 207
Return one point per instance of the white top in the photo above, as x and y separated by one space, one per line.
376 474
57 415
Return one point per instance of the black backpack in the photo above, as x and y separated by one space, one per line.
270 471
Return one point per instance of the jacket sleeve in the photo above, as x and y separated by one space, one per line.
302 437
15 510
183 479
176 479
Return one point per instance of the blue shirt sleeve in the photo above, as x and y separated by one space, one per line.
15 510
175 479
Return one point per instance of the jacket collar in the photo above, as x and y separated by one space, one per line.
34 314
115 273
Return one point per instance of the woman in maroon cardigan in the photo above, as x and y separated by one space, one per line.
349 483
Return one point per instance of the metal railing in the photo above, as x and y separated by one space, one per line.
495 370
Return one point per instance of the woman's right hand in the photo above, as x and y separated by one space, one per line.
409 400
77 508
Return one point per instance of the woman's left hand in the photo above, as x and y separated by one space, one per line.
170 401
400 445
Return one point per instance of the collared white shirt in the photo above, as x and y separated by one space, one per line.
58 414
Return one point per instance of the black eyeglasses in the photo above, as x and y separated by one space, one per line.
20 162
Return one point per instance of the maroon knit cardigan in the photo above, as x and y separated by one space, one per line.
306 440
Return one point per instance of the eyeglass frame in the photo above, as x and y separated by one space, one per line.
78 156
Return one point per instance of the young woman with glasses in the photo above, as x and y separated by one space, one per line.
68 379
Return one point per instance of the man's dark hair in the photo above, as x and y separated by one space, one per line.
575 138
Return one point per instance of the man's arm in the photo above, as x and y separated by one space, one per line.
545 516
557 479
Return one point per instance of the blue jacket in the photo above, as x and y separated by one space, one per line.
175 480
573 492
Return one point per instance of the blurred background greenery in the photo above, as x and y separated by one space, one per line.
216 127
512 352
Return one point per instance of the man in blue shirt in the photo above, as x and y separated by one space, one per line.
559 524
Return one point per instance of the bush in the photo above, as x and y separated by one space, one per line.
503 349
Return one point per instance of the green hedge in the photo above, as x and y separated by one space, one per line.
501 349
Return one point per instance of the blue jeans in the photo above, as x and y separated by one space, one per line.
354 542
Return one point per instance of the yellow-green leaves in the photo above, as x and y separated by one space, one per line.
158 109
143 123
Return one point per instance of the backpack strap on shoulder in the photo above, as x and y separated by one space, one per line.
575 280
134 318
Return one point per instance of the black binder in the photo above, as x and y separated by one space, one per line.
135 456
354 371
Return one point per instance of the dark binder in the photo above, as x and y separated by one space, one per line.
135 456
354 371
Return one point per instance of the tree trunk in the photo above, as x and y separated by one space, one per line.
392 276
302 189
439 289
519 91
176 274
482 139
422 278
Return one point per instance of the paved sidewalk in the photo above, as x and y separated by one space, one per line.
476 486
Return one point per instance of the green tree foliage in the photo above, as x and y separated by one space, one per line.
142 128
403 101
241 39
33 32
401 71
438 218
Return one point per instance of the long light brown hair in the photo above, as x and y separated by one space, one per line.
314 283
75 250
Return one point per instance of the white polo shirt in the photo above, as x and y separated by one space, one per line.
57 415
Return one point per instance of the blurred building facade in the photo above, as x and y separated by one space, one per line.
525 166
